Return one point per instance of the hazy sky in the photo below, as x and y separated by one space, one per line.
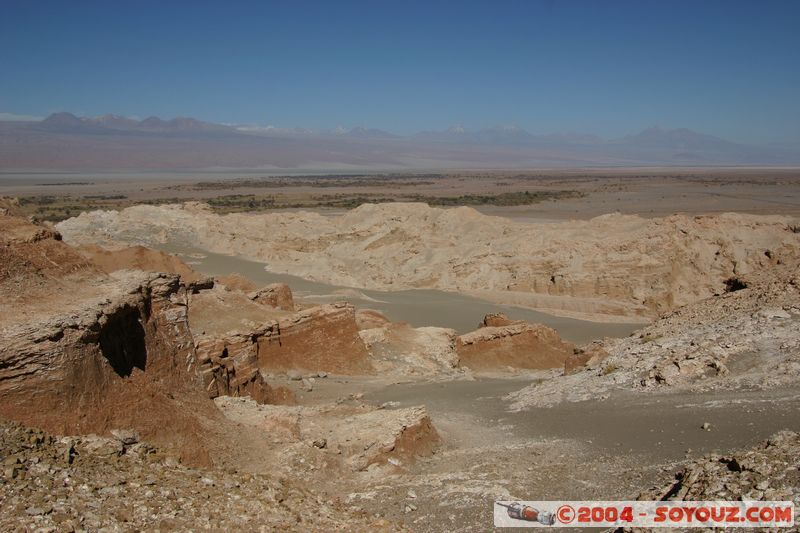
606 67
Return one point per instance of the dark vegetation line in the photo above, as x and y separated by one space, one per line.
56 208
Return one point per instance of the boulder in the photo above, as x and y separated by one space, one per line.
229 367
237 282
584 357
277 295
323 338
497 320
519 345
319 339
369 319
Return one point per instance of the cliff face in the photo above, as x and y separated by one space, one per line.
610 265
82 351
322 338
512 344
124 361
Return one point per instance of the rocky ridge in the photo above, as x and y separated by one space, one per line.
745 338
612 265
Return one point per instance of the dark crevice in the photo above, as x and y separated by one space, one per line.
122 341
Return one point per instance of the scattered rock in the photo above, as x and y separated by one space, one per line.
277 295
126 436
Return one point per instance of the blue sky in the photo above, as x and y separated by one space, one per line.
611 68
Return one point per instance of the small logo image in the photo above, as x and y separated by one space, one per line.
517 511
566 514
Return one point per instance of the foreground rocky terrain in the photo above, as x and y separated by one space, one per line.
612 265
92 483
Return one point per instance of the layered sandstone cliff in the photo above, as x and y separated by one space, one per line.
82 351
610 265
745 338
247 333
513 344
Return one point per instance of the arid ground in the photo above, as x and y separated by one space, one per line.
274 344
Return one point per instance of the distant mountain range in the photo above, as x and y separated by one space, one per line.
66 141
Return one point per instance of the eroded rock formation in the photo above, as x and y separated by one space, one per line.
397 347
517 345
768 471
321 338
741 339
277 295
611 265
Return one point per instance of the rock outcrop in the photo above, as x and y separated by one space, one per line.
351 437
322 338
768 471
82 351
613 264
126 360
36 264
741 339
277 295
229 367
399 348
319 338
516 345
138 258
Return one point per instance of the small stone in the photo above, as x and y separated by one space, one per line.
411 494
294 375
11 460
126 436
706 426
35 510
320 443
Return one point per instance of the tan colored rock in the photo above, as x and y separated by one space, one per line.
322 338
319 339
522 345
369 319
496 320
218 312
277 295
82 351
399 348
615 264
229 367
358 437
584 357
237 282
123 361
139 258
726 342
